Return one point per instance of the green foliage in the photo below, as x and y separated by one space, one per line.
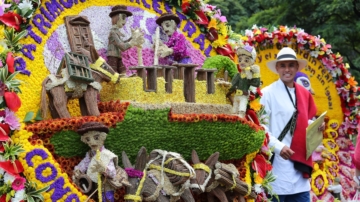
12 39
9 80
68 144
151 129
32 193
12 150
221 63
29 117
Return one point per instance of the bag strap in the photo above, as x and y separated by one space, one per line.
292 122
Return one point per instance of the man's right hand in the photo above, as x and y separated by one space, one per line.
286 153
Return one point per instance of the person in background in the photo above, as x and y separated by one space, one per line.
290 108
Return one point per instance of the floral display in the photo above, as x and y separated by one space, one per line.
33 39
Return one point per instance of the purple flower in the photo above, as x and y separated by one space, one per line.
3 6
11 120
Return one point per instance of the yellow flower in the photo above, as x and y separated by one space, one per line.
258 179
212 23
255 105
223 29
220 42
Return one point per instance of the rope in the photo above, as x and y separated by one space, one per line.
152 166
249 190
234 183
99 177
201 166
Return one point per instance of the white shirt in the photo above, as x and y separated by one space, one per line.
280 109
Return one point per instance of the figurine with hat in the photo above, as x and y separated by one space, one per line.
97 161
248 75
174 50
116 44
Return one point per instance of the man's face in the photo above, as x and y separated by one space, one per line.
287 70
94 139
121 21
169 27
245 61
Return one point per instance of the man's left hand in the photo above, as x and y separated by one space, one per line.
322 127
98 167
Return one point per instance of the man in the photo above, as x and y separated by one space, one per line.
94 134
174 50
290 108
116 44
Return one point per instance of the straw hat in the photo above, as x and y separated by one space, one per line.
92 126
120 9
286 54
167 16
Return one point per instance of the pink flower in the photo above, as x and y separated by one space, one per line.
3 6
18 183
11 119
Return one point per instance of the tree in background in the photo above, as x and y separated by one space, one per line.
337 21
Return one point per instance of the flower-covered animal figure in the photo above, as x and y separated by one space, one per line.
219 181
249 75
164 178
61 87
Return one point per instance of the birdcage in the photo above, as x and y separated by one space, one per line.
77 66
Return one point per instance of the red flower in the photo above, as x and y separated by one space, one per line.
251 116
3 198
12 20
10 62
4 133
260 165
212 35
226 51
185 7
201 18
13 168
12 100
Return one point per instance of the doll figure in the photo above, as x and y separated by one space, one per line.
99 160
249 75
116 44
174 50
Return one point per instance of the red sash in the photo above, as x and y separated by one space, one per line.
306 110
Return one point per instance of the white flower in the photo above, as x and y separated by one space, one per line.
254 27
249 33
19 196
258 188
25 6
8 179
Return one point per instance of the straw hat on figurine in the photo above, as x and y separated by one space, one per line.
120 9
92 126
167 16
286 54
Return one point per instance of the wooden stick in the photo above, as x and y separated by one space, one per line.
239 185
229 177
157 41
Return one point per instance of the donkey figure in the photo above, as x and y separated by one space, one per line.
56 87
216 180
165 177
